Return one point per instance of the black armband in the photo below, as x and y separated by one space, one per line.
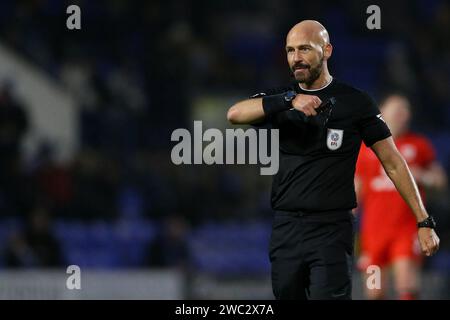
276 103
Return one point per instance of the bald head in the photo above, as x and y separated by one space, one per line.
308 48
396 110
311 30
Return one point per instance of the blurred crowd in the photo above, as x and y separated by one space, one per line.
137 67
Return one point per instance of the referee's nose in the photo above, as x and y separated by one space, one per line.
297 56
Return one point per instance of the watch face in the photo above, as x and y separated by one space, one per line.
290 95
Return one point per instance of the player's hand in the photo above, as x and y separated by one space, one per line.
306 103
429 241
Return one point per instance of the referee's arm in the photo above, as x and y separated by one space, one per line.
398 171
246 112
254 110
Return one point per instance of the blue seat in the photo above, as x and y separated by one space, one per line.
441 262
442 146
75 233
102 244
232 248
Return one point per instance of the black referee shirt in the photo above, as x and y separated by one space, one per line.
317 163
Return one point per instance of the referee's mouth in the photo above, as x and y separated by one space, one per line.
300 68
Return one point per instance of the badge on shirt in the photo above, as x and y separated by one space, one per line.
334 138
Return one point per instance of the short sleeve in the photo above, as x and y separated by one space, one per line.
370 123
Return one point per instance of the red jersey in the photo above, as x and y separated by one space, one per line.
383 207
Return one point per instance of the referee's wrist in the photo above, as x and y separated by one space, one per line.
429 222
421 216
275 103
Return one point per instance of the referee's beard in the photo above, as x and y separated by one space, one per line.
309 77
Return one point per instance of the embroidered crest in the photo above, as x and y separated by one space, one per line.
334 138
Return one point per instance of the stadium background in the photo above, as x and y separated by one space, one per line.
85 124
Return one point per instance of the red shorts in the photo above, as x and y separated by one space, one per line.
383 250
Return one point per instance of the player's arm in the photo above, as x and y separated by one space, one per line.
398 171
358 188
433 176
358 192
358 179
256 109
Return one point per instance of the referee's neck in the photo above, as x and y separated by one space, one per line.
321 82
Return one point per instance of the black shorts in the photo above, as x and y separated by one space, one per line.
312 255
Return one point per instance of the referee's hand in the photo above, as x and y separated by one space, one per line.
429 241
306 103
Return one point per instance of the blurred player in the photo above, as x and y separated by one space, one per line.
389 228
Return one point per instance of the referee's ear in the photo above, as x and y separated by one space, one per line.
327 51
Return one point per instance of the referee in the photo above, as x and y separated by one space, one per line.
322 123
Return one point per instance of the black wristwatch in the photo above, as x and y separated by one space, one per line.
427 223
289 96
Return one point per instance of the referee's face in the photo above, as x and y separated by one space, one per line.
396 112
305 55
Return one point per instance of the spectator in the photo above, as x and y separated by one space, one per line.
13 126
35 246
170 248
